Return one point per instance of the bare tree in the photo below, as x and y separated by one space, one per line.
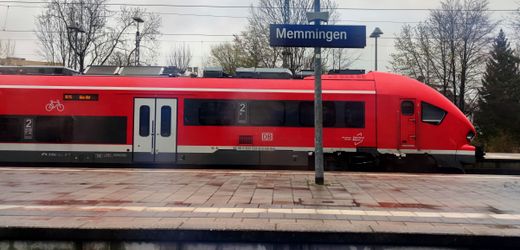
341 59
180 56
227 55
118 48
7 48
448 50
252 47
79 33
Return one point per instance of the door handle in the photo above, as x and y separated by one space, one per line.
153 137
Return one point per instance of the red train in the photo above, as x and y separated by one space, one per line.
102 119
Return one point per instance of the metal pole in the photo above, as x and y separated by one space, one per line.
285 53
77 50
376 54
318 110
137 45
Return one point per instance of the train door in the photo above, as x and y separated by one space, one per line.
155 130
408 123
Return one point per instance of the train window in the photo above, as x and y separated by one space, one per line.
306 114
166 121
65 129
10 129
432 114
329 114
214 113
354 114
108 129
272 113
242 113
53 129
267 113
407 108
144 121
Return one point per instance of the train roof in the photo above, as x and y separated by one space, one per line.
331 83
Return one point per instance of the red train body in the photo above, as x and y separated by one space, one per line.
225 121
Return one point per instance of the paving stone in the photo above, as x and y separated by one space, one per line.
281 200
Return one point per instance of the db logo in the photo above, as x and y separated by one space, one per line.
54 105
267 136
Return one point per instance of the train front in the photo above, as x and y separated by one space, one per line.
427 123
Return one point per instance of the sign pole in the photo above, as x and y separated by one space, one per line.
317 36
318 110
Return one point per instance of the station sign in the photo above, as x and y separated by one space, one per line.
326 36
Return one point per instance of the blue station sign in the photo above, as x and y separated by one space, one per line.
326 36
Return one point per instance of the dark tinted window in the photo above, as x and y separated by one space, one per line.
306 114
354 114
65 129
329 114
432 114
144 121
272 113
108 129
10 129
166 121
407 108
80 129
267 113
54 129
217 113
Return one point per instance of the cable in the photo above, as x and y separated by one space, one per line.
233 17
251 6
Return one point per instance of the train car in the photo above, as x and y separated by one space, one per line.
181 121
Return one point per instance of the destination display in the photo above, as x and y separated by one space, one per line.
327 36
80 97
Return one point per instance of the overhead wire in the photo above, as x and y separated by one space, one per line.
249 6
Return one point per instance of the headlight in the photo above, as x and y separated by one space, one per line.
470 136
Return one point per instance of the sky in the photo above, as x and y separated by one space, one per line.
13 18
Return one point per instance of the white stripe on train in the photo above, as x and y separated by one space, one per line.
300 91
205 149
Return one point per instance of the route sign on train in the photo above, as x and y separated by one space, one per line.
326 36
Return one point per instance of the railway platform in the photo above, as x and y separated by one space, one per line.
81 205
497 163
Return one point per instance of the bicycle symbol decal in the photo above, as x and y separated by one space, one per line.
54 105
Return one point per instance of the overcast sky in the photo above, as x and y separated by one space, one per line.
16 18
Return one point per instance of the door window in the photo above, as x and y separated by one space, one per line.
166 121
144 121
407 108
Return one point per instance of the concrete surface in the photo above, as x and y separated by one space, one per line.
278 202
